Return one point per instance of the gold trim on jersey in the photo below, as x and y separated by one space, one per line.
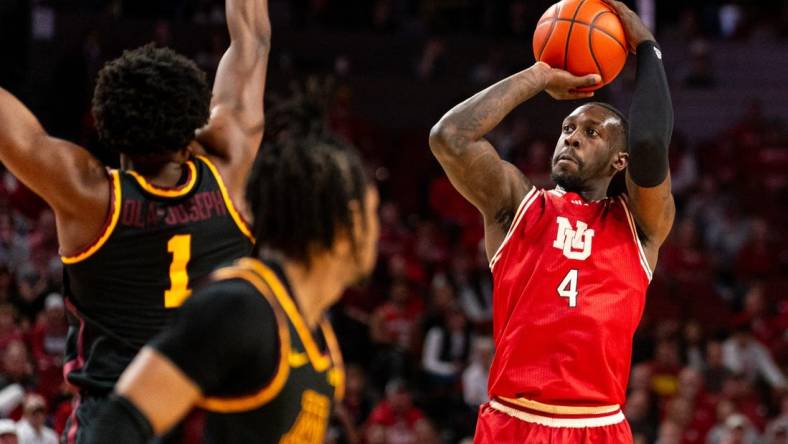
336 375
319 361
561 409
239 220
168 192
267 393
115 206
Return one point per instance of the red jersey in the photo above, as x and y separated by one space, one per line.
569 290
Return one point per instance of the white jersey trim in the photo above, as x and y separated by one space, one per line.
633 230
529 198
547 421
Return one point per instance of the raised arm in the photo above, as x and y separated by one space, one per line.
235 129
66 176
651 126
495 187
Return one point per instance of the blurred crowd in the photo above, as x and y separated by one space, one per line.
710 356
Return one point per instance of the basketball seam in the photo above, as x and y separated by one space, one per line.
591 43
569 33
603 31
550 34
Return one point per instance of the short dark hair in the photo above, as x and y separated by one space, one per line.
302 184
150 101
619 115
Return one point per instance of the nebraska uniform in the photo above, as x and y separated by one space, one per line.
570 282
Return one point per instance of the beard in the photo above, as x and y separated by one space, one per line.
568 182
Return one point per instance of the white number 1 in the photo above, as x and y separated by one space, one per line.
568 288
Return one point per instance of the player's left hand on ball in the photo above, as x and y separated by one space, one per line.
562 85
637 31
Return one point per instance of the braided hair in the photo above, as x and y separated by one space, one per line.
303 181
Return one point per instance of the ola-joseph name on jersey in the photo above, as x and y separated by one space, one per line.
157 242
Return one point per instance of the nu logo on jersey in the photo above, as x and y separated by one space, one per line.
575 243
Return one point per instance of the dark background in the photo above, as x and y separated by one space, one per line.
714 333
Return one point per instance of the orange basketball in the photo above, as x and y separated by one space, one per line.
582 37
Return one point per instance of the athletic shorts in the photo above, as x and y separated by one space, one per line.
503 422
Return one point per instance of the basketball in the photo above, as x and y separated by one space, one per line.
582 37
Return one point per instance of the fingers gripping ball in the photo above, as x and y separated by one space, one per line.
582 37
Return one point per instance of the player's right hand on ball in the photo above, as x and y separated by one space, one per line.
562 85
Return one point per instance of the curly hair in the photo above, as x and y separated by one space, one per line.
150 101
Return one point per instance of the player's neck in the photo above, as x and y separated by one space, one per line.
590 194
315 288
164 170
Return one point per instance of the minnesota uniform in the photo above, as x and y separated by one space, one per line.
122 289
266 377
570 282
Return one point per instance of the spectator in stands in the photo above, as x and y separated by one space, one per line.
744 399
17 368
9 331
777 430
48 344
715 371
640 415
692 344
13 247
393 329
8 434
758 259
669 433
446 349
475 376
699 417
741 353
665 368
395 420
31 427
358 401
737 430
474 289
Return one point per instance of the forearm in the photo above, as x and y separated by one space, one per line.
475 117
651 119
248 20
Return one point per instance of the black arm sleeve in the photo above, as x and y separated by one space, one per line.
224 338
119 422
650 119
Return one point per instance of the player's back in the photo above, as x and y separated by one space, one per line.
569 287
157 243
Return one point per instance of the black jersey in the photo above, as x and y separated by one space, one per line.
267 378
157 243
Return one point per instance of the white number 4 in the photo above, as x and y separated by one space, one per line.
568 288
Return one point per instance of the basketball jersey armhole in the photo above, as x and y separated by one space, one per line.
633 230
527 201
109 226
239 220
275 385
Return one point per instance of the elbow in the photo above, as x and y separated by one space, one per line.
444 139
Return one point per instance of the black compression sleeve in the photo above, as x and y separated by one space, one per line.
650 119
224 338
119 422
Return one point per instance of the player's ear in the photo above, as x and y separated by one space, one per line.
620 161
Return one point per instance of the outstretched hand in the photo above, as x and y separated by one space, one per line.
562 85
637 32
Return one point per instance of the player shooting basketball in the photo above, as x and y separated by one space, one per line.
134 240
570 265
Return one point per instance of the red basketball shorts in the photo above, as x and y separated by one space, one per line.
510 421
